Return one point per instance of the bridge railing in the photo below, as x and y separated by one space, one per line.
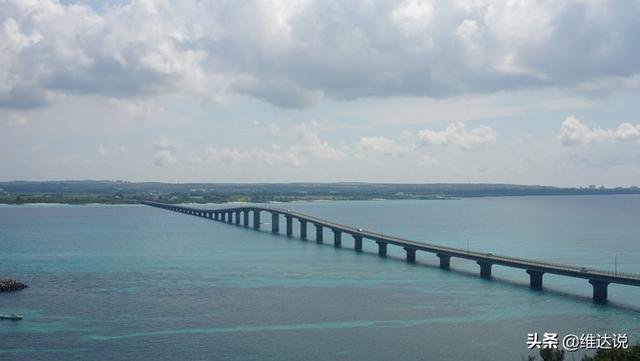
457 251
587 270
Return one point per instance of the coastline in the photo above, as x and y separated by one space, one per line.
307 199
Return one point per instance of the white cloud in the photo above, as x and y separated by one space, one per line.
164 157
102 149
306 148
303 140
573 131
16 39
164 147
17 120
413 15
164 143
232 155
457 134
385 146
469 33
296 53
312 146
428 161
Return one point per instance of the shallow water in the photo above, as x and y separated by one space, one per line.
135 282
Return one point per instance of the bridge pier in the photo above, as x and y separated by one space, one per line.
303 229
337 238
599 280
256 219
411 254
485 269
535 279
382 248
357 243
599 290
445 260
275 222
289 220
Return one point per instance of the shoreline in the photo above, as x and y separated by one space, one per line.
319 199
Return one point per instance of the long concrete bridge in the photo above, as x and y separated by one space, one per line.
599 279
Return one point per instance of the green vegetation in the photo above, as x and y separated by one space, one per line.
122 192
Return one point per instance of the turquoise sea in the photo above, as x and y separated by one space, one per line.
141 283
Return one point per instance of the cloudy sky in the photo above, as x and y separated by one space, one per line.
532 92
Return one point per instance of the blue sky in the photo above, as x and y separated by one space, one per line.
532 92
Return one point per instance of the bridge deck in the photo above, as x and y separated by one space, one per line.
526 264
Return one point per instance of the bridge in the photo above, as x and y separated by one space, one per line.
599 279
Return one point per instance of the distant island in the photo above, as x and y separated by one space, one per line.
124 192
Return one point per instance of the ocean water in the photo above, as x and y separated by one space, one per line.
141 283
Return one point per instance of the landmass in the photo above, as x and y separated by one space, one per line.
8 285
124 192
